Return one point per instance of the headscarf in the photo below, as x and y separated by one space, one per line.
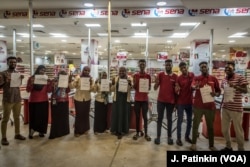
38 86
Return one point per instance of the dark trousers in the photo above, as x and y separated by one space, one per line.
160 109
141 106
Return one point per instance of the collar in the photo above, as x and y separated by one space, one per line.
168 74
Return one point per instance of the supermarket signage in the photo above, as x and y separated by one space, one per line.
125 13
121 55
162 56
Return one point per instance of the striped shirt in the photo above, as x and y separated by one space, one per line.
236 105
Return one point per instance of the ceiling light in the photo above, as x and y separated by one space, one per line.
138 24
2 36
188 24
231 41
161 3
117 41
102 34
38 26
19 40
179 35
169 41
140 34
58 35
88 4
2 26
92 25
64 40
238 35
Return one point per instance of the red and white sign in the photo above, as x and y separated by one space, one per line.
121 55
162 56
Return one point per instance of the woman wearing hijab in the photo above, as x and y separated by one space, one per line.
82 99
120 118
38 103
101 106
59 109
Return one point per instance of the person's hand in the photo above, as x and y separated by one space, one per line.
32 79
196 85
177 88
70 78
213 94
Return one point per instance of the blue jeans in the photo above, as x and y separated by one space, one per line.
180 112
160 109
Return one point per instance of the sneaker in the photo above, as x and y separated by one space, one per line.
5 142
226 149
193 147
135 137
20 137
147 137
213 148
179 142
187 139
157 140
170 141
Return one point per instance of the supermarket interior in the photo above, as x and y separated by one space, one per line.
106 35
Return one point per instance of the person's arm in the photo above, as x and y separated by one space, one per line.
157 82
241 88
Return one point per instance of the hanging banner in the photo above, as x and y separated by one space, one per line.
84 52
121 55
59 59
240 57
162 56
3 55
93 52
199 52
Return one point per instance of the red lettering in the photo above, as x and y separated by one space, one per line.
115 13
242 10
174 11
104 13
18 14
76 13
47 13
141 12
209 11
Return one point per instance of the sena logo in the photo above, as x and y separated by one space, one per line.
158 12
125 13
63 13
229 11
94 13
193 12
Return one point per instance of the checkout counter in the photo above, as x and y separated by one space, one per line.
217 120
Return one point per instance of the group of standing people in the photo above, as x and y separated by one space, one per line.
183 92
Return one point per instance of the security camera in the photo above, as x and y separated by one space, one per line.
204 22
76 23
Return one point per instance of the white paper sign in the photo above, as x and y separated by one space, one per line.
123 85
85 84
104 87
41 79
15 80
205 94
63 81
229 94
143 85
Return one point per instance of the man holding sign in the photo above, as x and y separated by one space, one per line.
206 85
11 100
142 85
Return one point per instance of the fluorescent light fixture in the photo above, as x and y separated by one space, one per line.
231 41
238 35
74 53
138 24
38 26
140 34
161 3
64 40
22 34
169 41
179 35
19 40
2 36
102 34
188 47
88 4
58 35
188 24
99 46
2 26
222 50
117 41
92 25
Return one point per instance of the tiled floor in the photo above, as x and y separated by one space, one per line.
91 150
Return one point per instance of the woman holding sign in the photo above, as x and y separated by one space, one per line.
60 106
101 103
82 98
121 86
39 86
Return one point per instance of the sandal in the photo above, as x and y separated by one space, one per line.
147 137
135 137
141 133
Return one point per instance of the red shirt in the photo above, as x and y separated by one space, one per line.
205 80
38 95
167 87
186 93
141 96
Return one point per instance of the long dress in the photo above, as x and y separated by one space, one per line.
60 114
120 118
